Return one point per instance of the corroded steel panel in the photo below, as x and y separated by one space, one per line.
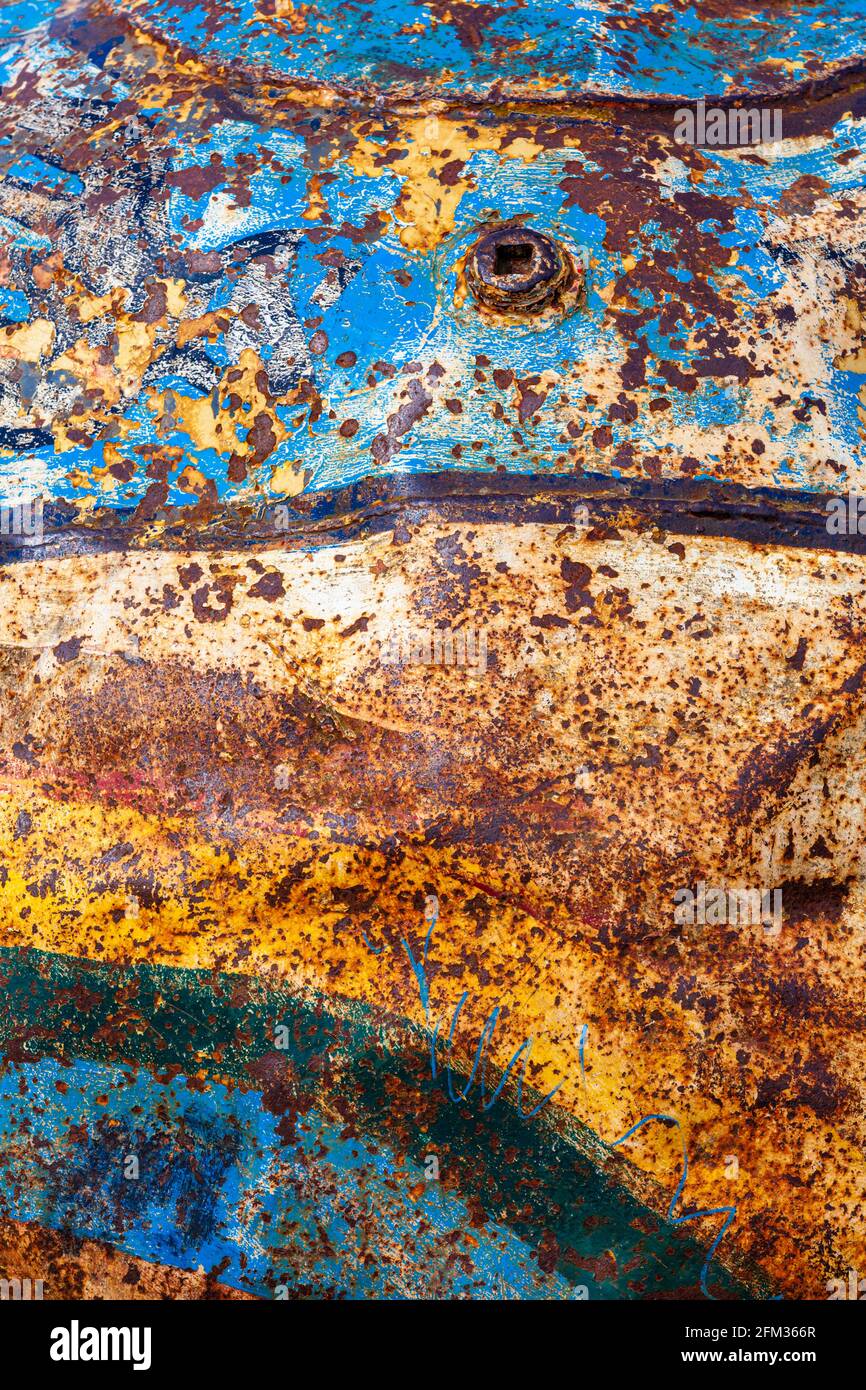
719 333
433 596
536 48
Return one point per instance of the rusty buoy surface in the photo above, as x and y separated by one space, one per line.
432 610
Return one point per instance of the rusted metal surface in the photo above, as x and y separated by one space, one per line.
549 51
357 356
575 784
292 311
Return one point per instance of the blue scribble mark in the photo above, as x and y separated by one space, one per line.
581 1052
729 1213
420 972
486 1036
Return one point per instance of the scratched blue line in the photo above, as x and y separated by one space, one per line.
419 971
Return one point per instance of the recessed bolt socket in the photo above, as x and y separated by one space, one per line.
515 269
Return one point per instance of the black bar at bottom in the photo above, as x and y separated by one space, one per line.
232 1342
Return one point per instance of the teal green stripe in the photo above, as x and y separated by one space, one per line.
539 1177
